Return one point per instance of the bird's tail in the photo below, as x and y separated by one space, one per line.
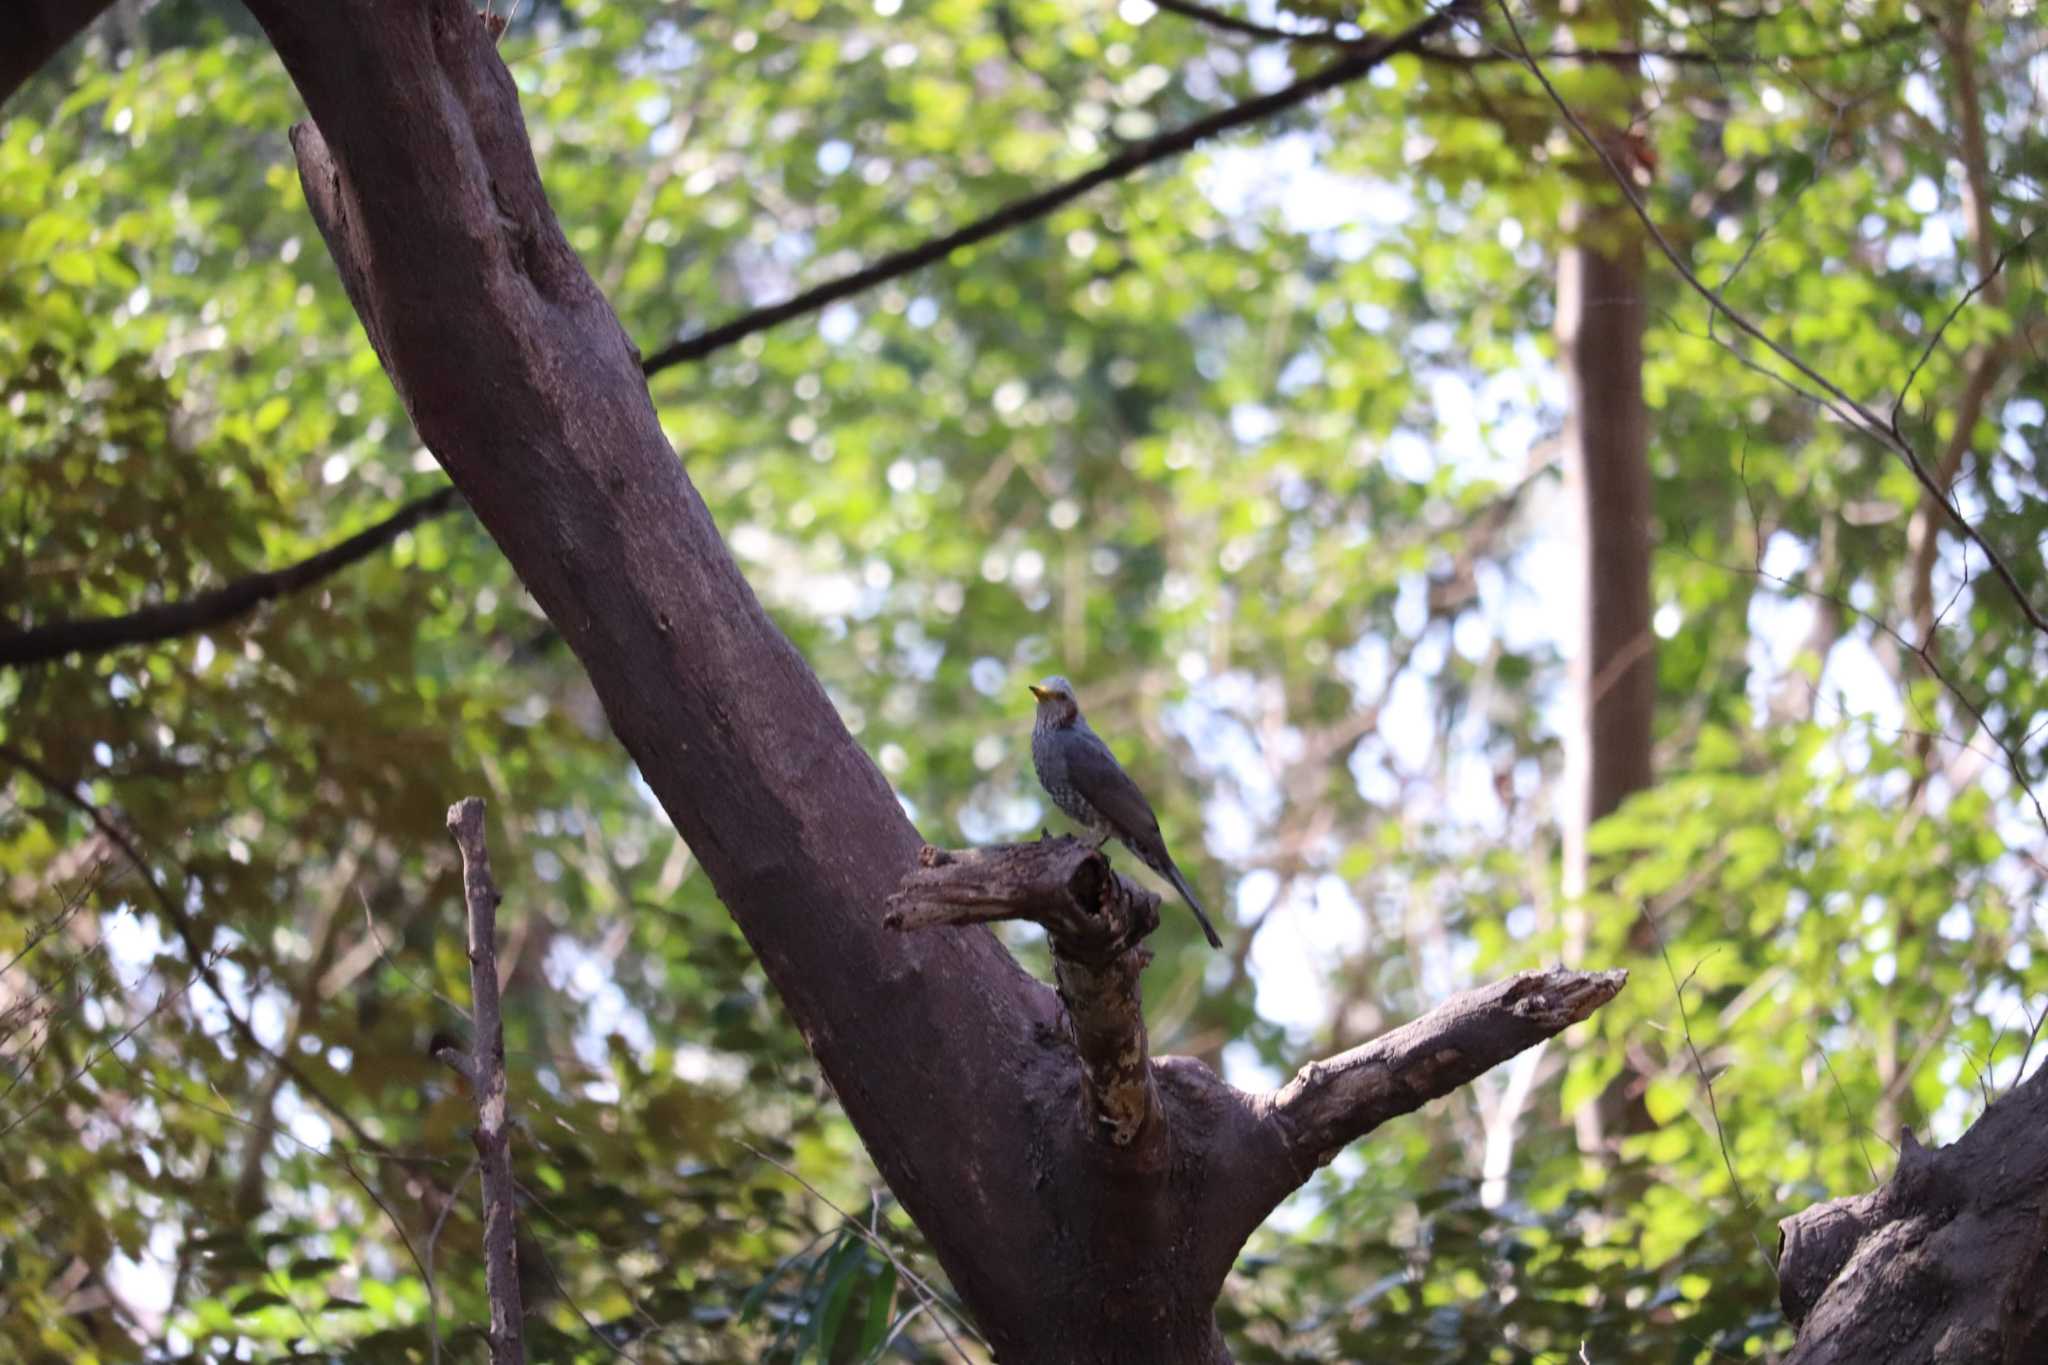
1180 884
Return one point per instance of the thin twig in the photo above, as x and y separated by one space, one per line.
621 1352
1329 37
188 934
335 1152
96 1057
887 1251
433 1241
1997 266
1369 55
1832 396
384 954
1245 28
1707 1083
1849 1112
50 926
206 610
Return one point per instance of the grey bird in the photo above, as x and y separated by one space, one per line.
1086 782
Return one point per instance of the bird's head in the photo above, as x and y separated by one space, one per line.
1056 704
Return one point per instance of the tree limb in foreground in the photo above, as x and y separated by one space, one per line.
1095 921
1330 1104
33 31
1945 1262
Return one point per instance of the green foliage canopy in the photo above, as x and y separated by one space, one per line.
1255 445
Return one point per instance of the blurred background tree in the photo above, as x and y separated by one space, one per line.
1274 448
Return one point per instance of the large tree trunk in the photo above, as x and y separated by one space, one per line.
1947 1262
1086 1200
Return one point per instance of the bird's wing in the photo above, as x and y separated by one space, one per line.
1104 784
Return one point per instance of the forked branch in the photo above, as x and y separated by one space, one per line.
1096 921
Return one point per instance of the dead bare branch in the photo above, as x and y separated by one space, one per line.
487 1076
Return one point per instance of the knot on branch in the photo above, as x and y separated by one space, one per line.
1813 1246
1817 1243
1092 913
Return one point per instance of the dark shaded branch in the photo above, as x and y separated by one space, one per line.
1246 28
1332 1103
33 31
1096 921
1267 33
1367 54
96 635
1944 1262
1676 56
487 1079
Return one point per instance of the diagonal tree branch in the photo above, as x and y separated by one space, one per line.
1368 54
33 31
1333 1103
1246 28
1267 33
99 634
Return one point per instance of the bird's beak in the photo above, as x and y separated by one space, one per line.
1039 692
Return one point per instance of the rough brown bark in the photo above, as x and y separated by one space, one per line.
1096 922
960 1072
1947 1262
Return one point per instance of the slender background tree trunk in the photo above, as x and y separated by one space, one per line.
1601 315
